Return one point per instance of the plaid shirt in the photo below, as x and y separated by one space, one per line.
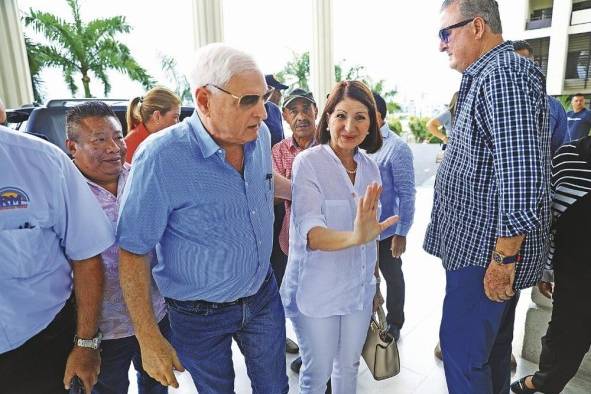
283 154
495 178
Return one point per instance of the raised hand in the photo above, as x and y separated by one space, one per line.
367 227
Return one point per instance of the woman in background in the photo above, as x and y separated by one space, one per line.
156 110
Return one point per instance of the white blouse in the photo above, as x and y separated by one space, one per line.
318 283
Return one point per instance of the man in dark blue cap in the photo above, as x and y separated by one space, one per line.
278 86
274 120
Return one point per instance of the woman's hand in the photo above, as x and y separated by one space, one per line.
378 300
367 227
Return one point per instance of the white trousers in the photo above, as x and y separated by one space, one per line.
331 348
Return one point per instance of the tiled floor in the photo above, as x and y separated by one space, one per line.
421 372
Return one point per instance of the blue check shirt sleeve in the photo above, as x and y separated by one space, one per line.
404 188
518 155
145 206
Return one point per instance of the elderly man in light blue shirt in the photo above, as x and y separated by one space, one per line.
202 192
50 227
398 198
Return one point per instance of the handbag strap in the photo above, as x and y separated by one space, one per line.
381 320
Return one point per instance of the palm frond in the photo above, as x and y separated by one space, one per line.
56 30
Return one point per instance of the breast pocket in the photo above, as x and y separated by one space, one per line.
23 252
339 215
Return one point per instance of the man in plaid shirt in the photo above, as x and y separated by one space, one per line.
299 111
491 210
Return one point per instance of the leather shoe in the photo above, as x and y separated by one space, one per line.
437 351
519 387
296 365
291 347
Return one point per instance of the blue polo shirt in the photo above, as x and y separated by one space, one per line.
212 228
274 122
579 124
48 216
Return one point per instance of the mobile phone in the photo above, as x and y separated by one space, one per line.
76 386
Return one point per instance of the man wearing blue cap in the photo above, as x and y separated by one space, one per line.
274 120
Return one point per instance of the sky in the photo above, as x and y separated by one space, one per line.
395 40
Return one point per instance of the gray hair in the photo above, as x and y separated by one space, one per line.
486 9
218 63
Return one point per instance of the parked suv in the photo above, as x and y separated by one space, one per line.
49 121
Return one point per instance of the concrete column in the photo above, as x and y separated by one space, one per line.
558 49
15 78
322 78
208 22
536 324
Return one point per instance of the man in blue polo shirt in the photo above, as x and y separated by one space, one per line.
201 193
274 120
51 232
398 198
579 119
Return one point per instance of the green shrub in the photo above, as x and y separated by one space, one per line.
395 125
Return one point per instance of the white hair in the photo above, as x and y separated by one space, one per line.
217 63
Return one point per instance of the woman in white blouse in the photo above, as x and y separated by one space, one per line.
329 289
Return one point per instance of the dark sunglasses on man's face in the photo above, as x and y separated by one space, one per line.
446 31
248 100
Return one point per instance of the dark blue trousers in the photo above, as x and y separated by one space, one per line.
476 335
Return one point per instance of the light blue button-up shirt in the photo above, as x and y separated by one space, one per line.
47 216
212 228
398 181
318 283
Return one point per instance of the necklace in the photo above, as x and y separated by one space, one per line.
349 171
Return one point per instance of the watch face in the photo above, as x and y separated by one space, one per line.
497 258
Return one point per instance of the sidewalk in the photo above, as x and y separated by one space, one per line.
421 372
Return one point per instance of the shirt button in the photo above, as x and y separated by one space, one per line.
246 183
253 212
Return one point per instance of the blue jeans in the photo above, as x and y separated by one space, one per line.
203 332
475 335
116 357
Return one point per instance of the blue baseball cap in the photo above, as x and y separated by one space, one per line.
272 82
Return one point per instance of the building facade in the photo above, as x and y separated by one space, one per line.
560 33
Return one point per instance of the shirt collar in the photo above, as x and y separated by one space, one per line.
204 140
475 68
327 147
120 182
293 144
385 130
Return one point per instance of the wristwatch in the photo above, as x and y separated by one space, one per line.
501 259
92 343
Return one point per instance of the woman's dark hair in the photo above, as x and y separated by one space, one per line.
358 91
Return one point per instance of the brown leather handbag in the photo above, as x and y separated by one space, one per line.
380 351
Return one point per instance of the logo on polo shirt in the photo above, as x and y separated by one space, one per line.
13 198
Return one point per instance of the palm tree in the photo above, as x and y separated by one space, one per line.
85 48
35 65
182 88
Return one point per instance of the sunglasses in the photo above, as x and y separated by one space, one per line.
248 100
446 31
